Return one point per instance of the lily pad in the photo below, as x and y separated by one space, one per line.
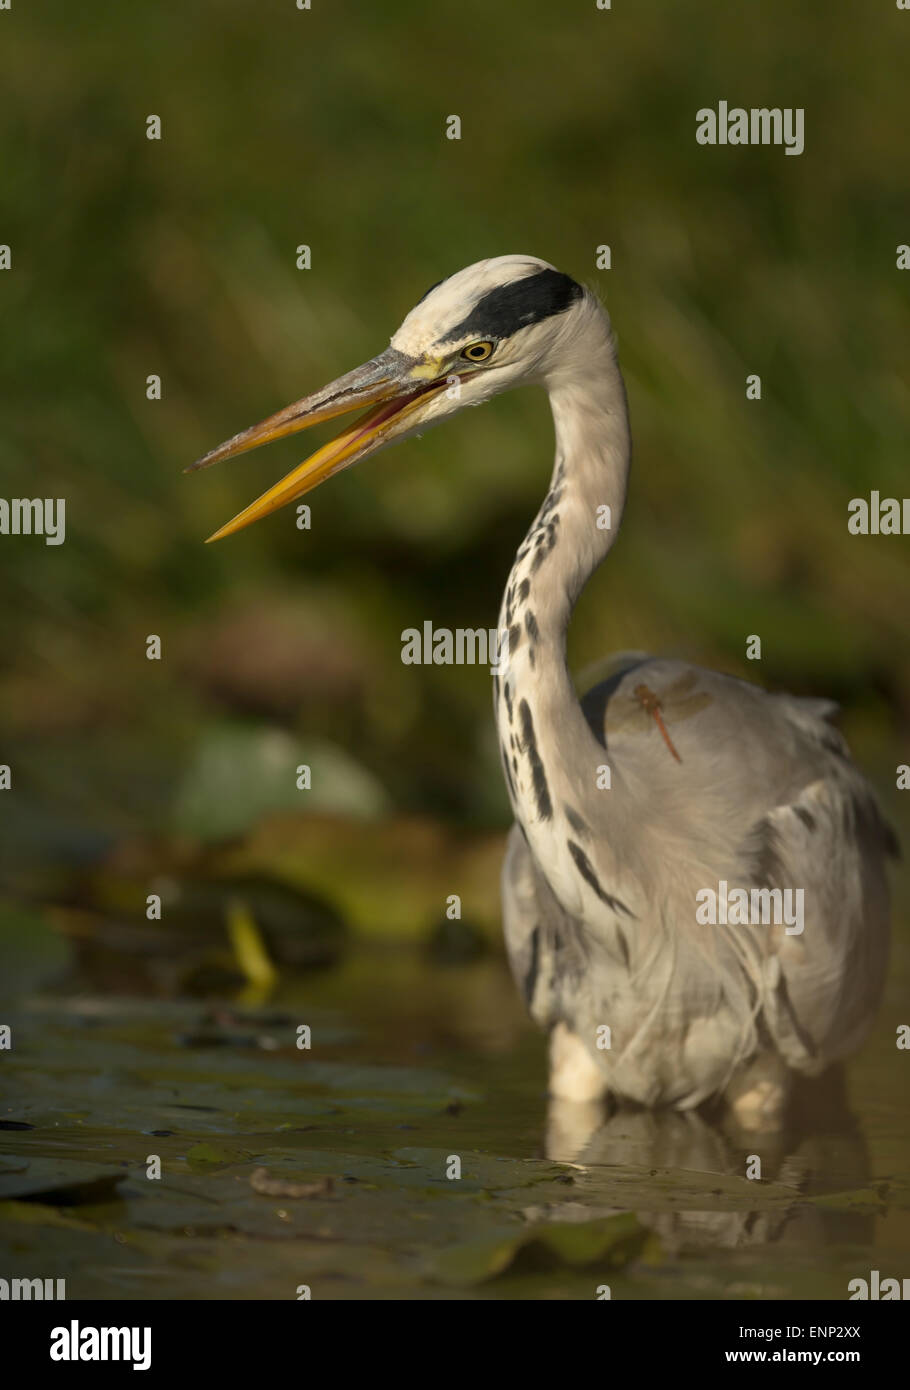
240 773
610 1243
61 1182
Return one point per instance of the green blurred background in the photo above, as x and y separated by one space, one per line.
327 127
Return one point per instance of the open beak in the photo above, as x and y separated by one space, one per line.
395 385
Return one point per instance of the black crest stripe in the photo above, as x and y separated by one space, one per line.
502 311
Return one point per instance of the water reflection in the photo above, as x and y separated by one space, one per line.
821 1149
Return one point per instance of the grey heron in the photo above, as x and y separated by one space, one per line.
663 782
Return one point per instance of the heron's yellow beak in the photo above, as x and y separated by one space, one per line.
397 386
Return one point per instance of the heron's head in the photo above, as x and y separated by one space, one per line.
491 326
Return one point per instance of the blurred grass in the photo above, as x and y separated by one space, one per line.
327 128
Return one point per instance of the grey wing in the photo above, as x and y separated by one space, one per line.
765 795
823 985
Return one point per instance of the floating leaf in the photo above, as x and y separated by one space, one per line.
61 1182
208 1156
610 1243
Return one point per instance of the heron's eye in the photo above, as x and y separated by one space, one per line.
477 352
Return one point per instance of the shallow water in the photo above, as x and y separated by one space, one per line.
411 1066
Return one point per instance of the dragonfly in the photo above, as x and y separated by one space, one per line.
676 702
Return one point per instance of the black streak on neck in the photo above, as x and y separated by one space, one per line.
538 776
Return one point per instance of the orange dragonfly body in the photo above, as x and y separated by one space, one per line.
678 701
651 704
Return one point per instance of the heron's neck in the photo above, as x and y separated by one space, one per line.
546 743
